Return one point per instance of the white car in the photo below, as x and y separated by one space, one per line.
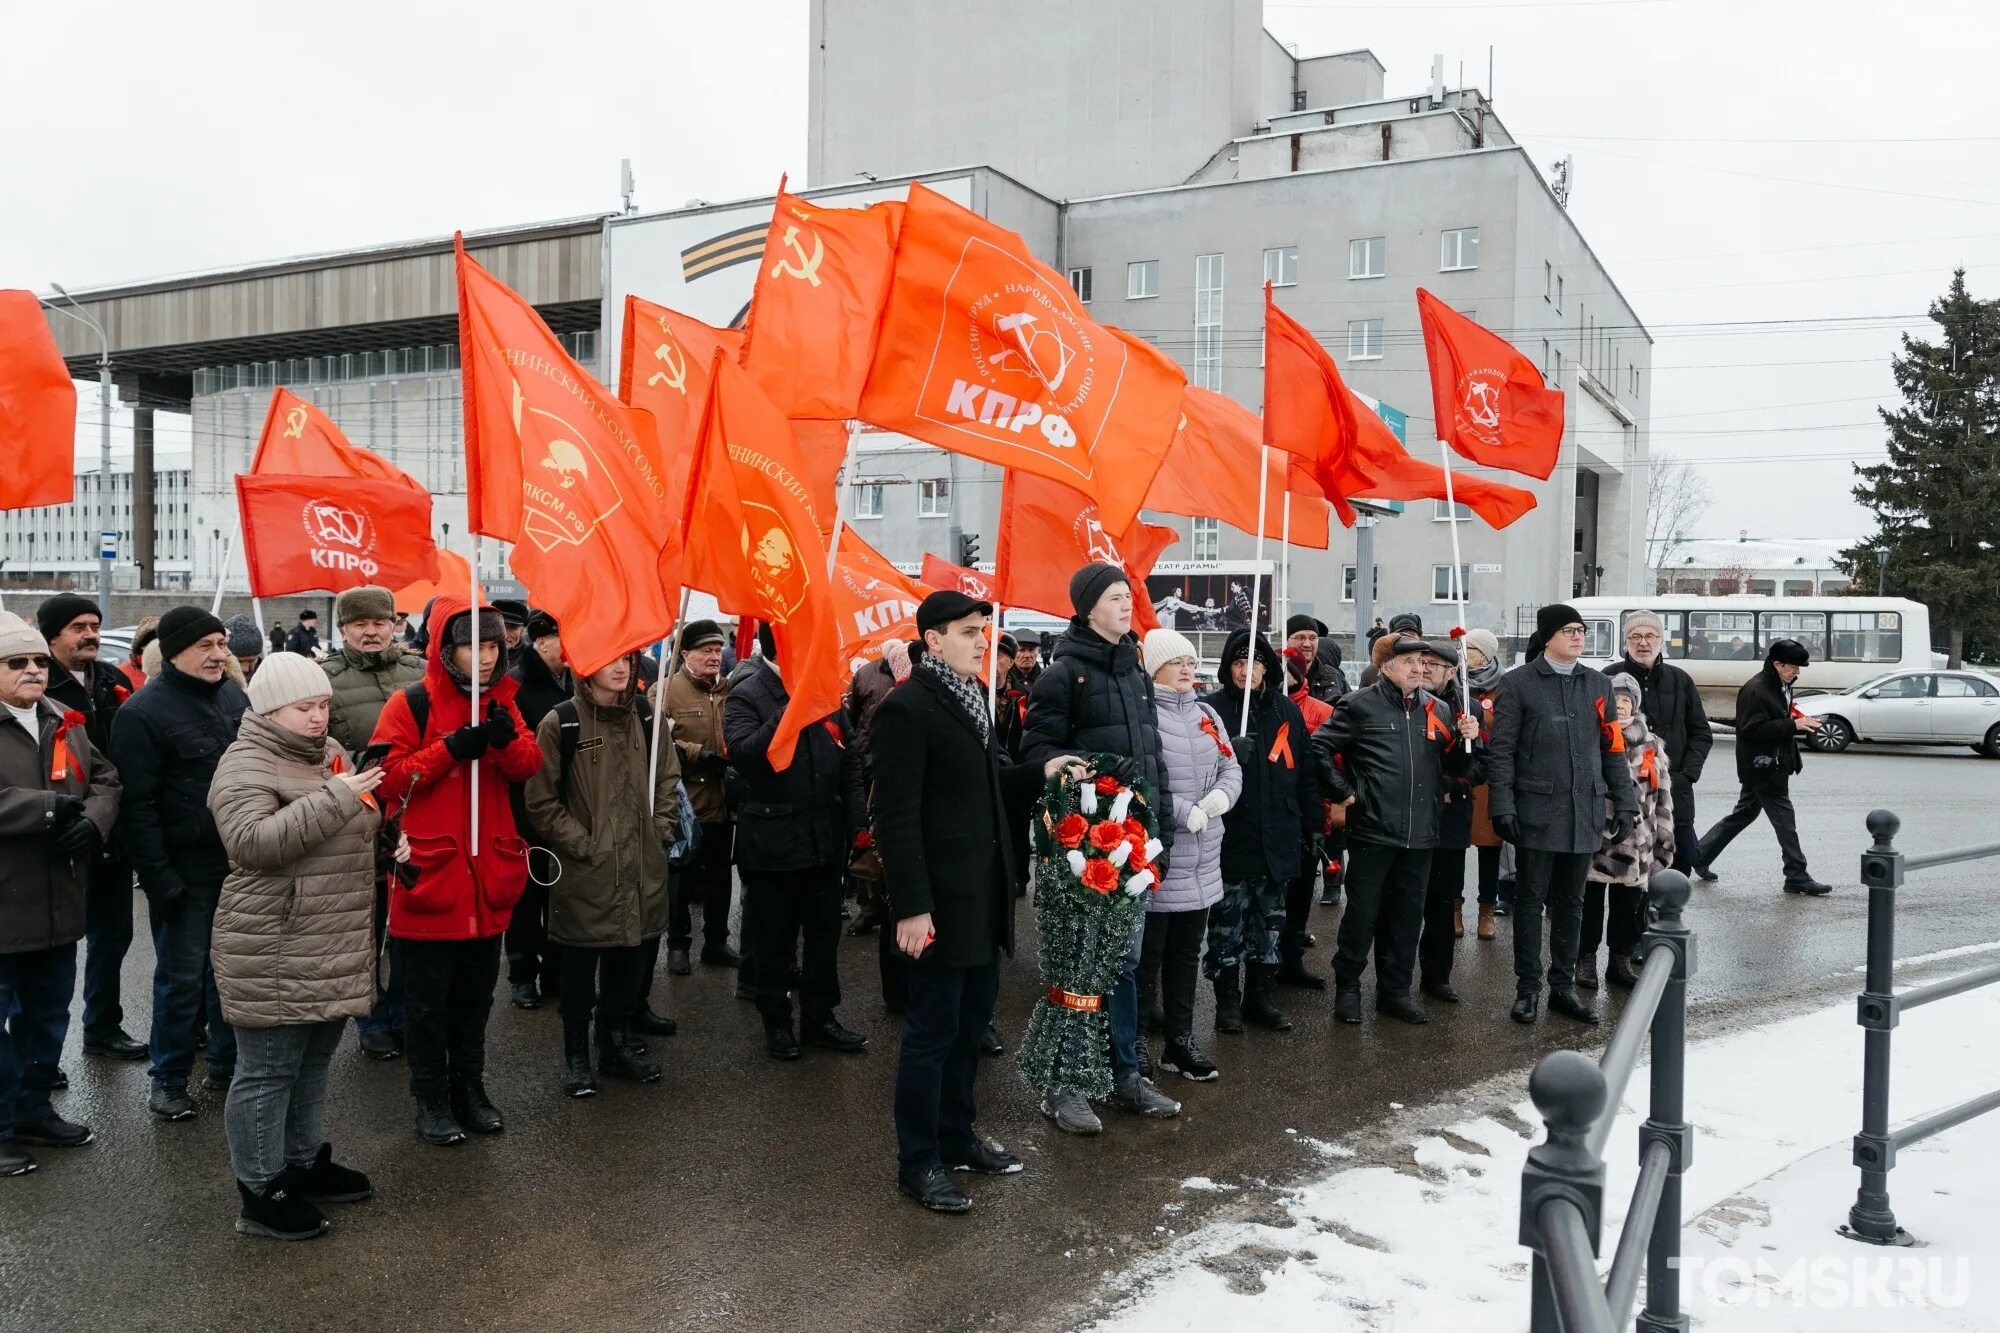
1910 708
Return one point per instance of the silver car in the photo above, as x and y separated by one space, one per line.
1910 708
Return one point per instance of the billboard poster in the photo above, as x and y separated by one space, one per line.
1208 600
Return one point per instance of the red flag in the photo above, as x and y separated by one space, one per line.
1309 411
299 440
37 409
810 334
566 472
939 572
301 534
985 351
1211 472
753 539
1047 530
1489 400
877 601
454 576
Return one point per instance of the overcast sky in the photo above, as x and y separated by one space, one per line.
1735 162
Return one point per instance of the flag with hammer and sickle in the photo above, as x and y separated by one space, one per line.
300 440
810 334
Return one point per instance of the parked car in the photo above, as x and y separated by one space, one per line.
1910 708
115 645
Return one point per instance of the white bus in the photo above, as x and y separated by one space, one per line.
1720 641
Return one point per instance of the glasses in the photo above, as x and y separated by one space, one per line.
23 663
1187 662
1575 630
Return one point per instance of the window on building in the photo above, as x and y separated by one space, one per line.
1142 279
1559 294
1079 280
1548 280
1548 366
1460 248
1443 513
868 500
1208 321
1798 587
1347 583
1298 99
934 498
1207 538
1762 588
1364 340
1441 588
1281 266
1368 257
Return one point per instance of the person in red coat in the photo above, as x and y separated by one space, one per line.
449 907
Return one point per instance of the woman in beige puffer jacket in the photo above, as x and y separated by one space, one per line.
293 943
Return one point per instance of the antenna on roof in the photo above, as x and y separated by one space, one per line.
625 183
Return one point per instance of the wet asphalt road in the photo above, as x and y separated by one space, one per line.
743 1194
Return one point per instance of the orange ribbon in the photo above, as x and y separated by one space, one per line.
367 797
61 760
1612 730
1649 768
1282 748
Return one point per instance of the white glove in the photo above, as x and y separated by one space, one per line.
1213 804
1197 819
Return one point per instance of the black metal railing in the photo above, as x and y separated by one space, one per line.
1879 1010
1562 1185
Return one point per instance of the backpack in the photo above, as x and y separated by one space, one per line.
687 828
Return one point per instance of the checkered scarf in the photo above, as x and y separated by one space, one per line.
970 697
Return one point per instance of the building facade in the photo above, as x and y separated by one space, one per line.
1754 565
56 546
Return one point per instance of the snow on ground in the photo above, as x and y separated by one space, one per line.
1425 1239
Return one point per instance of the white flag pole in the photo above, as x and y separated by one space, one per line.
1285 565
475 674
222 569
1256 569
1457 579
993 664
670 649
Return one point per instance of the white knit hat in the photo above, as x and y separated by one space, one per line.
1163 646
286 678
18 638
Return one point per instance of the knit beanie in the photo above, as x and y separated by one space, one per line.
896 653
1643 620
1486 641
55 614
1302 622
1090 583
1624 683
1553 617
1162 646
184 626
286 678
369 603
245 639
20 639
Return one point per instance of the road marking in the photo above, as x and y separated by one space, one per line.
1959 952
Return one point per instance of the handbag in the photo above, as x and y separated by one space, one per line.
687 829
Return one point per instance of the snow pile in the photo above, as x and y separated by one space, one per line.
1429 1242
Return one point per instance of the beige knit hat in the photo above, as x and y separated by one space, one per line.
286 678
18 638
1163 646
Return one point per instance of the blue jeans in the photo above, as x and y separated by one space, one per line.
949 1009
35 988
107 932
274 1116
184 991
1123 1012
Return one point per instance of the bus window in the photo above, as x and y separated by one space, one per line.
1808 627
1676 632
1867 636
1722 636
1601 639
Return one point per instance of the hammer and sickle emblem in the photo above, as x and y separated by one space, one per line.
675 375
295 424
808 266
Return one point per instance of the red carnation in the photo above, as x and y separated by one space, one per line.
1108 786
1100 875
1135 830
1458 631
1106 836
1071 830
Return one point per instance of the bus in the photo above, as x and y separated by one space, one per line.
1720 641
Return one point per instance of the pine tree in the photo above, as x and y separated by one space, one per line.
1937 498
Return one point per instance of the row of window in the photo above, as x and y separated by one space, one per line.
383 364
933 498
1743 636
1442 588
1367 257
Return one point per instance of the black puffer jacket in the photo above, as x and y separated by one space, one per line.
1671 702
165 743
1764 730
540 689
1399 761
1095 698
803 817
1280 806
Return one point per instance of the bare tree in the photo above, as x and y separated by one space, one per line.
1675 501
1729 580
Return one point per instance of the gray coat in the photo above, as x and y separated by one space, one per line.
1195 766
1552 762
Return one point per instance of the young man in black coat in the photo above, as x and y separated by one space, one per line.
1767 755
948 856
1671 702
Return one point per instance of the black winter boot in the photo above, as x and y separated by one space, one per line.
1229 1000
1292 972
1347 1004
615 1061
470 1105
577 1080
1257 1006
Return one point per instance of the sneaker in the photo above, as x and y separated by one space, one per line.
435 1123
990 1043
1071 1111
471 1107
55 1132
217 1080
14 1159
279 1213
1811 888
985 1158
170 1104
1185 1058
327 1181
525 995
1136 1094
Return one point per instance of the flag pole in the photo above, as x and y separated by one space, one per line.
257 610
474 674
1457 579
993 662
839 498
1285 561
229 546
669 649
1256 570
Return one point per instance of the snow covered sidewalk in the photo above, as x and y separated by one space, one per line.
1427 1241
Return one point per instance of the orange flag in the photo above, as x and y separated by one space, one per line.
566 472
985 351
877 601
454 576
1048 530
302 534
1489 401
1211 472
753 539
810 334
37 409
1310 411
939 572
300 440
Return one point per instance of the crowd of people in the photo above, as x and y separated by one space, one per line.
369 828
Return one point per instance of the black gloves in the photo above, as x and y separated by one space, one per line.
467 743
79 839
1617 828
64 810
500 729
164 900
1126 770
708 756
1508 827
1312 850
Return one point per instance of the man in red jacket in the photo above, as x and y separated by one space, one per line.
449 906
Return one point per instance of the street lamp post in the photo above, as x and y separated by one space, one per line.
104 510
1881 571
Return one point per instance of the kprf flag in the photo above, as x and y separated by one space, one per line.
939 572
817 305
877 601
987 352
558 466
1047 531
753 539
37 409
305 534
1211 472
1310 411
1490 401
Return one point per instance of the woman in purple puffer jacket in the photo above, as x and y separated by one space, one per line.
1203 781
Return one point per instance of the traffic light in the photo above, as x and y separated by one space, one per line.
968 549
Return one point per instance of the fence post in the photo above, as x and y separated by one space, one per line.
1568 1090
1666 1118
1871 1218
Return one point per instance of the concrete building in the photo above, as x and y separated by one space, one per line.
55 546
1756 565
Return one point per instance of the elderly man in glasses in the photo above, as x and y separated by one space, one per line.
1557 753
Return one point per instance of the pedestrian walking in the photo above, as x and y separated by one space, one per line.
1620 871
1557 754
1203 782
941 796
165 743
1674 714
58 802
294 941
450 907
589 802
542 677
1768 729
697 696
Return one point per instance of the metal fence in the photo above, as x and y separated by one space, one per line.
1879 1010
1562 1185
